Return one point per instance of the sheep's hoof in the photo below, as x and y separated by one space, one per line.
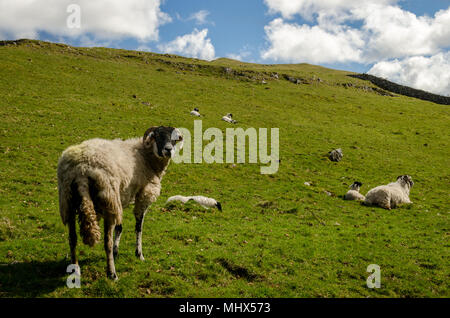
140 256
113 276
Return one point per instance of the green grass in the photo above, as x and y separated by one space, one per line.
276 237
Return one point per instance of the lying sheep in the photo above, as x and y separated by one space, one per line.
203 201
195 112
98 178
391 195
336 155
229 118
353 193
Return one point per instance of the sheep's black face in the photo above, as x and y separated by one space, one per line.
406 179
162 140
356 185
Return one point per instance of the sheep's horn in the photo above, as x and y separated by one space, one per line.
149 131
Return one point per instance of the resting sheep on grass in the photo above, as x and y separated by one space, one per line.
203 201
229 118
391 195
98 178
195 112
353 193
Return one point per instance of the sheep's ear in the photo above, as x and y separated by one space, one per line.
177 137
148 136
399 177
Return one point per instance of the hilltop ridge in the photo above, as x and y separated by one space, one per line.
302 73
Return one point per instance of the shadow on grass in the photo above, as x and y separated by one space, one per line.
32 279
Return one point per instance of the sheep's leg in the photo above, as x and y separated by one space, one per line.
139 213
386 203
117 234
139 223
109 228
73 238
147 196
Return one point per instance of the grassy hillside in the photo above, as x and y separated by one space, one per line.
276 237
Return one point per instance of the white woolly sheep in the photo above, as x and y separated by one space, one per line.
229 118
353 193
195 112
391 195
98 178
203 201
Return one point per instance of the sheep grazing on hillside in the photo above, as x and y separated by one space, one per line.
203 201
195 112
229 118
353 193
98 178
391 195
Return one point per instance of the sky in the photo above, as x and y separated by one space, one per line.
405 41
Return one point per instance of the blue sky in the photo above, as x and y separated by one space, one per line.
406 41
233 25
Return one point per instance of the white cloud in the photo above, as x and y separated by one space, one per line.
199 17
308 8
102 19
387 31
406 48
243 54
393 32
427 73
195 44
290 42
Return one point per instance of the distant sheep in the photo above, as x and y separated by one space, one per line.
203 201
336 155
391 195
353 193
229 118
195 112
98 178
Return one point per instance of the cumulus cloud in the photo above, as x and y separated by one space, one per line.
393 32
427 73
101 19
195 44
290 42
387 31
308 8
401 43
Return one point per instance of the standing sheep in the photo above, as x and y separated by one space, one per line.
98 178
353 193
391 195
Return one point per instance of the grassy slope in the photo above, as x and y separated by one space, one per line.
267 241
